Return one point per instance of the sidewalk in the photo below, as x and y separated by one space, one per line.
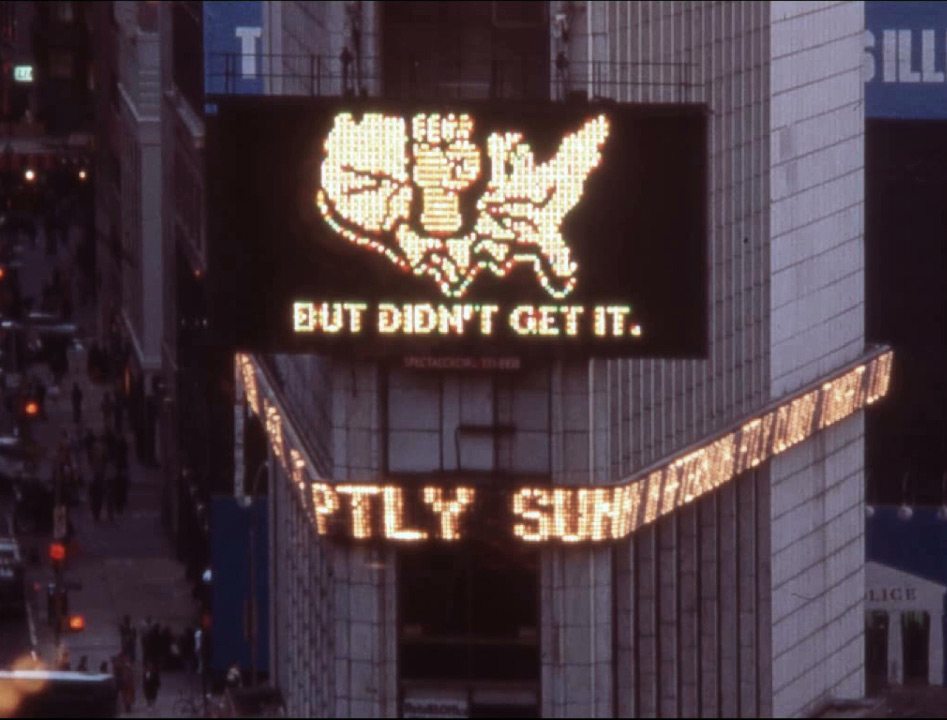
124 568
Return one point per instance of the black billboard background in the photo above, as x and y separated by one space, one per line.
638 234
906 306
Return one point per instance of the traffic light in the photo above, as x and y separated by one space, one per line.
57 555
76 623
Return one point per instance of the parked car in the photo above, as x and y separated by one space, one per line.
33 506
57 693
12 588
18 458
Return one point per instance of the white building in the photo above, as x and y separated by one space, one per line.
748 601
130 256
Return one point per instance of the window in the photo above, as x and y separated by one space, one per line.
472 423
454 624
187 54
61 64
64 12
465 50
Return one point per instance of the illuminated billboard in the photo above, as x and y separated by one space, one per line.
465 229
409 512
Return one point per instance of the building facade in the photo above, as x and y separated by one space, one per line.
130 220
748 601
64 67
127 263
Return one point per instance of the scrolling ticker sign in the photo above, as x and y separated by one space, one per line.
478 229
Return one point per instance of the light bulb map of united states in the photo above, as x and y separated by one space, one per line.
373 170
559 514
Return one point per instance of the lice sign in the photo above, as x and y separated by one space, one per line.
463 229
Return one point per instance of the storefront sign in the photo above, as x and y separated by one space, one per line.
415 512
891 594
458 230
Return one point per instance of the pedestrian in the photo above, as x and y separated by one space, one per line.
125 677
83 664
151 684
98 489
62 661
187 649
108 408
111 496
146 645
199 650
121 473
119 412
151 420
41 397
104 667
96 496
76 403
129 638
89 442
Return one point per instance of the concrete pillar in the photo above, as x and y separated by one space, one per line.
764 615
709 606
626 638
748 595
668 678
689 641
645 542
895 649
729 598
935 662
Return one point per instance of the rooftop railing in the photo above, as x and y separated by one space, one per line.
491 79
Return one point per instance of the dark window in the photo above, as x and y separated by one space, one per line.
187 60
64 12
906 306
465 50
61 64
456 625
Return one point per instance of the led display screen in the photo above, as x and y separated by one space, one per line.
418 511
465 229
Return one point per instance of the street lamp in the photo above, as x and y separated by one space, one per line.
29 175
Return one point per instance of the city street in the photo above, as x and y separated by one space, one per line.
122 567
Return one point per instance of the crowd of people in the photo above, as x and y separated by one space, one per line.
162 650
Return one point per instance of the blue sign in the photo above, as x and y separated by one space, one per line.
239 561
233 48
906 60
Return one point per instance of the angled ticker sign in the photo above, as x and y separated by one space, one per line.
421 511
458 229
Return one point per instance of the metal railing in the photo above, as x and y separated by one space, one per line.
489 79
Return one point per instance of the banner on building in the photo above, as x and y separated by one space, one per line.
233 48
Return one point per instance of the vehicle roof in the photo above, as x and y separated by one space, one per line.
72 675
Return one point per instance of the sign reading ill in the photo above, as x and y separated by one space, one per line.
458 229
905 62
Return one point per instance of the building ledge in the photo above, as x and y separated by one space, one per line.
191 120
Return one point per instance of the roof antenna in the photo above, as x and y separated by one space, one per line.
905 512
942 510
